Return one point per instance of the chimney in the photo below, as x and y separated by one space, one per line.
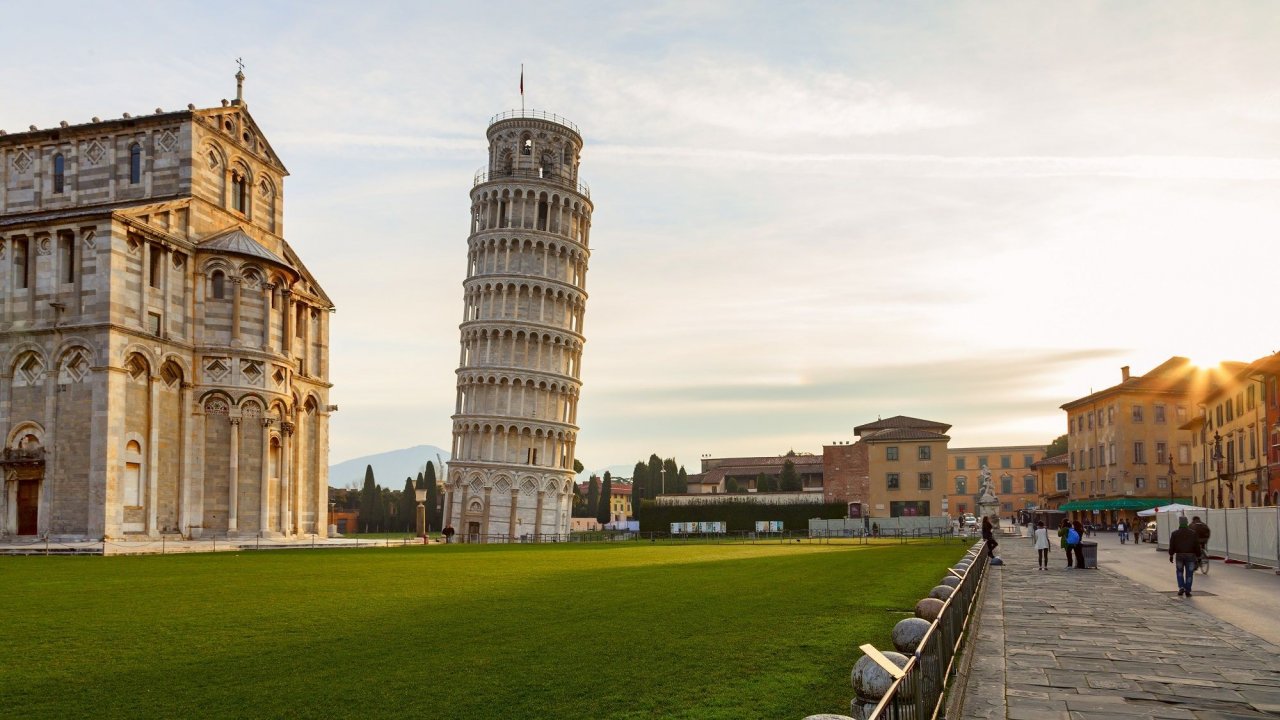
1124 373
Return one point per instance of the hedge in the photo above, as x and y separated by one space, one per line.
738 515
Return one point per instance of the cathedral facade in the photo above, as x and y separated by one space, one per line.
519 376
165 351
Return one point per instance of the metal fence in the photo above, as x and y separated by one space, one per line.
1247 535
920 692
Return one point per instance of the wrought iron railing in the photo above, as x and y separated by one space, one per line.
484 175
920 692
537 115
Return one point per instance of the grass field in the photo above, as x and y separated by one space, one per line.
559 631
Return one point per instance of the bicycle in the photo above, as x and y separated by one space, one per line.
1202 562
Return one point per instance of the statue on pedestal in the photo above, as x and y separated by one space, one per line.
988 503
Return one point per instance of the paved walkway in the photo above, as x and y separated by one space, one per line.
1084 644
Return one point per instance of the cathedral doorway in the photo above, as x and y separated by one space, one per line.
28 507
473 532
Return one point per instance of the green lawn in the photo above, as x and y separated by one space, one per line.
553 631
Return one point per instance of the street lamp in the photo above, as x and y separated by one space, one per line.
1171 474
664 480
421 494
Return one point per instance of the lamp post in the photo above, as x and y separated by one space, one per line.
1217 463
664 480
1171 474
421 494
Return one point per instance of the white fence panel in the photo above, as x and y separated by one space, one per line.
1249 535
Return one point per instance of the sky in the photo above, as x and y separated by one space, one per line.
807 215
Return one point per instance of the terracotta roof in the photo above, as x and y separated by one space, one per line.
236 241
1175 376
902 421
903 434
1055 460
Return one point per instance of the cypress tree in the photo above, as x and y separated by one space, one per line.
593 497
656 481
369 500
435 513
604 512
408 507
639 486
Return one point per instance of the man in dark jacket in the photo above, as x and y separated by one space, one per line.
1185 547
1202 532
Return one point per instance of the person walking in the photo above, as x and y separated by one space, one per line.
988 535
1063 532
1123 532
1077 545
1184 552
1042 545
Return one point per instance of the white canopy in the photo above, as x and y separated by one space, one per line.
1175 508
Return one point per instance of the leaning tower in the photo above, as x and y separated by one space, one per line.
514 426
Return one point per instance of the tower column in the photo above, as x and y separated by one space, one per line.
233 500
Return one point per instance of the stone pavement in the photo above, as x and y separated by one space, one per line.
1075 644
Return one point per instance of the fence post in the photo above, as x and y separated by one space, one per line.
1248 541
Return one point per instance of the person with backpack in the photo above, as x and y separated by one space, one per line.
1042 546
1062 540
1075 538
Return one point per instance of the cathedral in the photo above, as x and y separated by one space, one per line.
165 350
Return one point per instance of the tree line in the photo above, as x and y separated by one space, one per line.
385 510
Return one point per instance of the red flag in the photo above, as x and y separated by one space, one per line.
521 79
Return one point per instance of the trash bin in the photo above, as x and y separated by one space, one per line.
1090 554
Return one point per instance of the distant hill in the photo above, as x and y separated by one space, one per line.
389 468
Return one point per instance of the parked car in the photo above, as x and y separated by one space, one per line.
969 521
1148 533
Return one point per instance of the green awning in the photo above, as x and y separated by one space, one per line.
1124 503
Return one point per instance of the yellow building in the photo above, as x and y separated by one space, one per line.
1229 443
1127 449
907 466
1013 477
1052 481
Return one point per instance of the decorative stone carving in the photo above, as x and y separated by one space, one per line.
44 247
93 152
21 161
166 141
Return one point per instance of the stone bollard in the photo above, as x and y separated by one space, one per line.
929 608
950 581
870 683
942 592
908 633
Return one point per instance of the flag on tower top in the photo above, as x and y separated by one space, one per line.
521 79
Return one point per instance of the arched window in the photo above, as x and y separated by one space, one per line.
526 144
218 281
135 164
133 490
239 196
59 173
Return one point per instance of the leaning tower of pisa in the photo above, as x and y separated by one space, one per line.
514 426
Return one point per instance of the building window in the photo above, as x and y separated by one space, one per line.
1028 483
1249 401
1137 413
218 282
135 164
1006 461
891 481
67 256
1180 412
891 453
1158 413
1162 483
1062 481
962 485
1111 414
926 481
1111 454
153 323
1071 465
960 463
133 490
1028 460
982 461
1090 423
156 265
1091 457
526 145
239 193
59 174
1139 453
1161 449
924 452
1253 442
1184 453
1006 484
1230 410
1140 483
21 264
